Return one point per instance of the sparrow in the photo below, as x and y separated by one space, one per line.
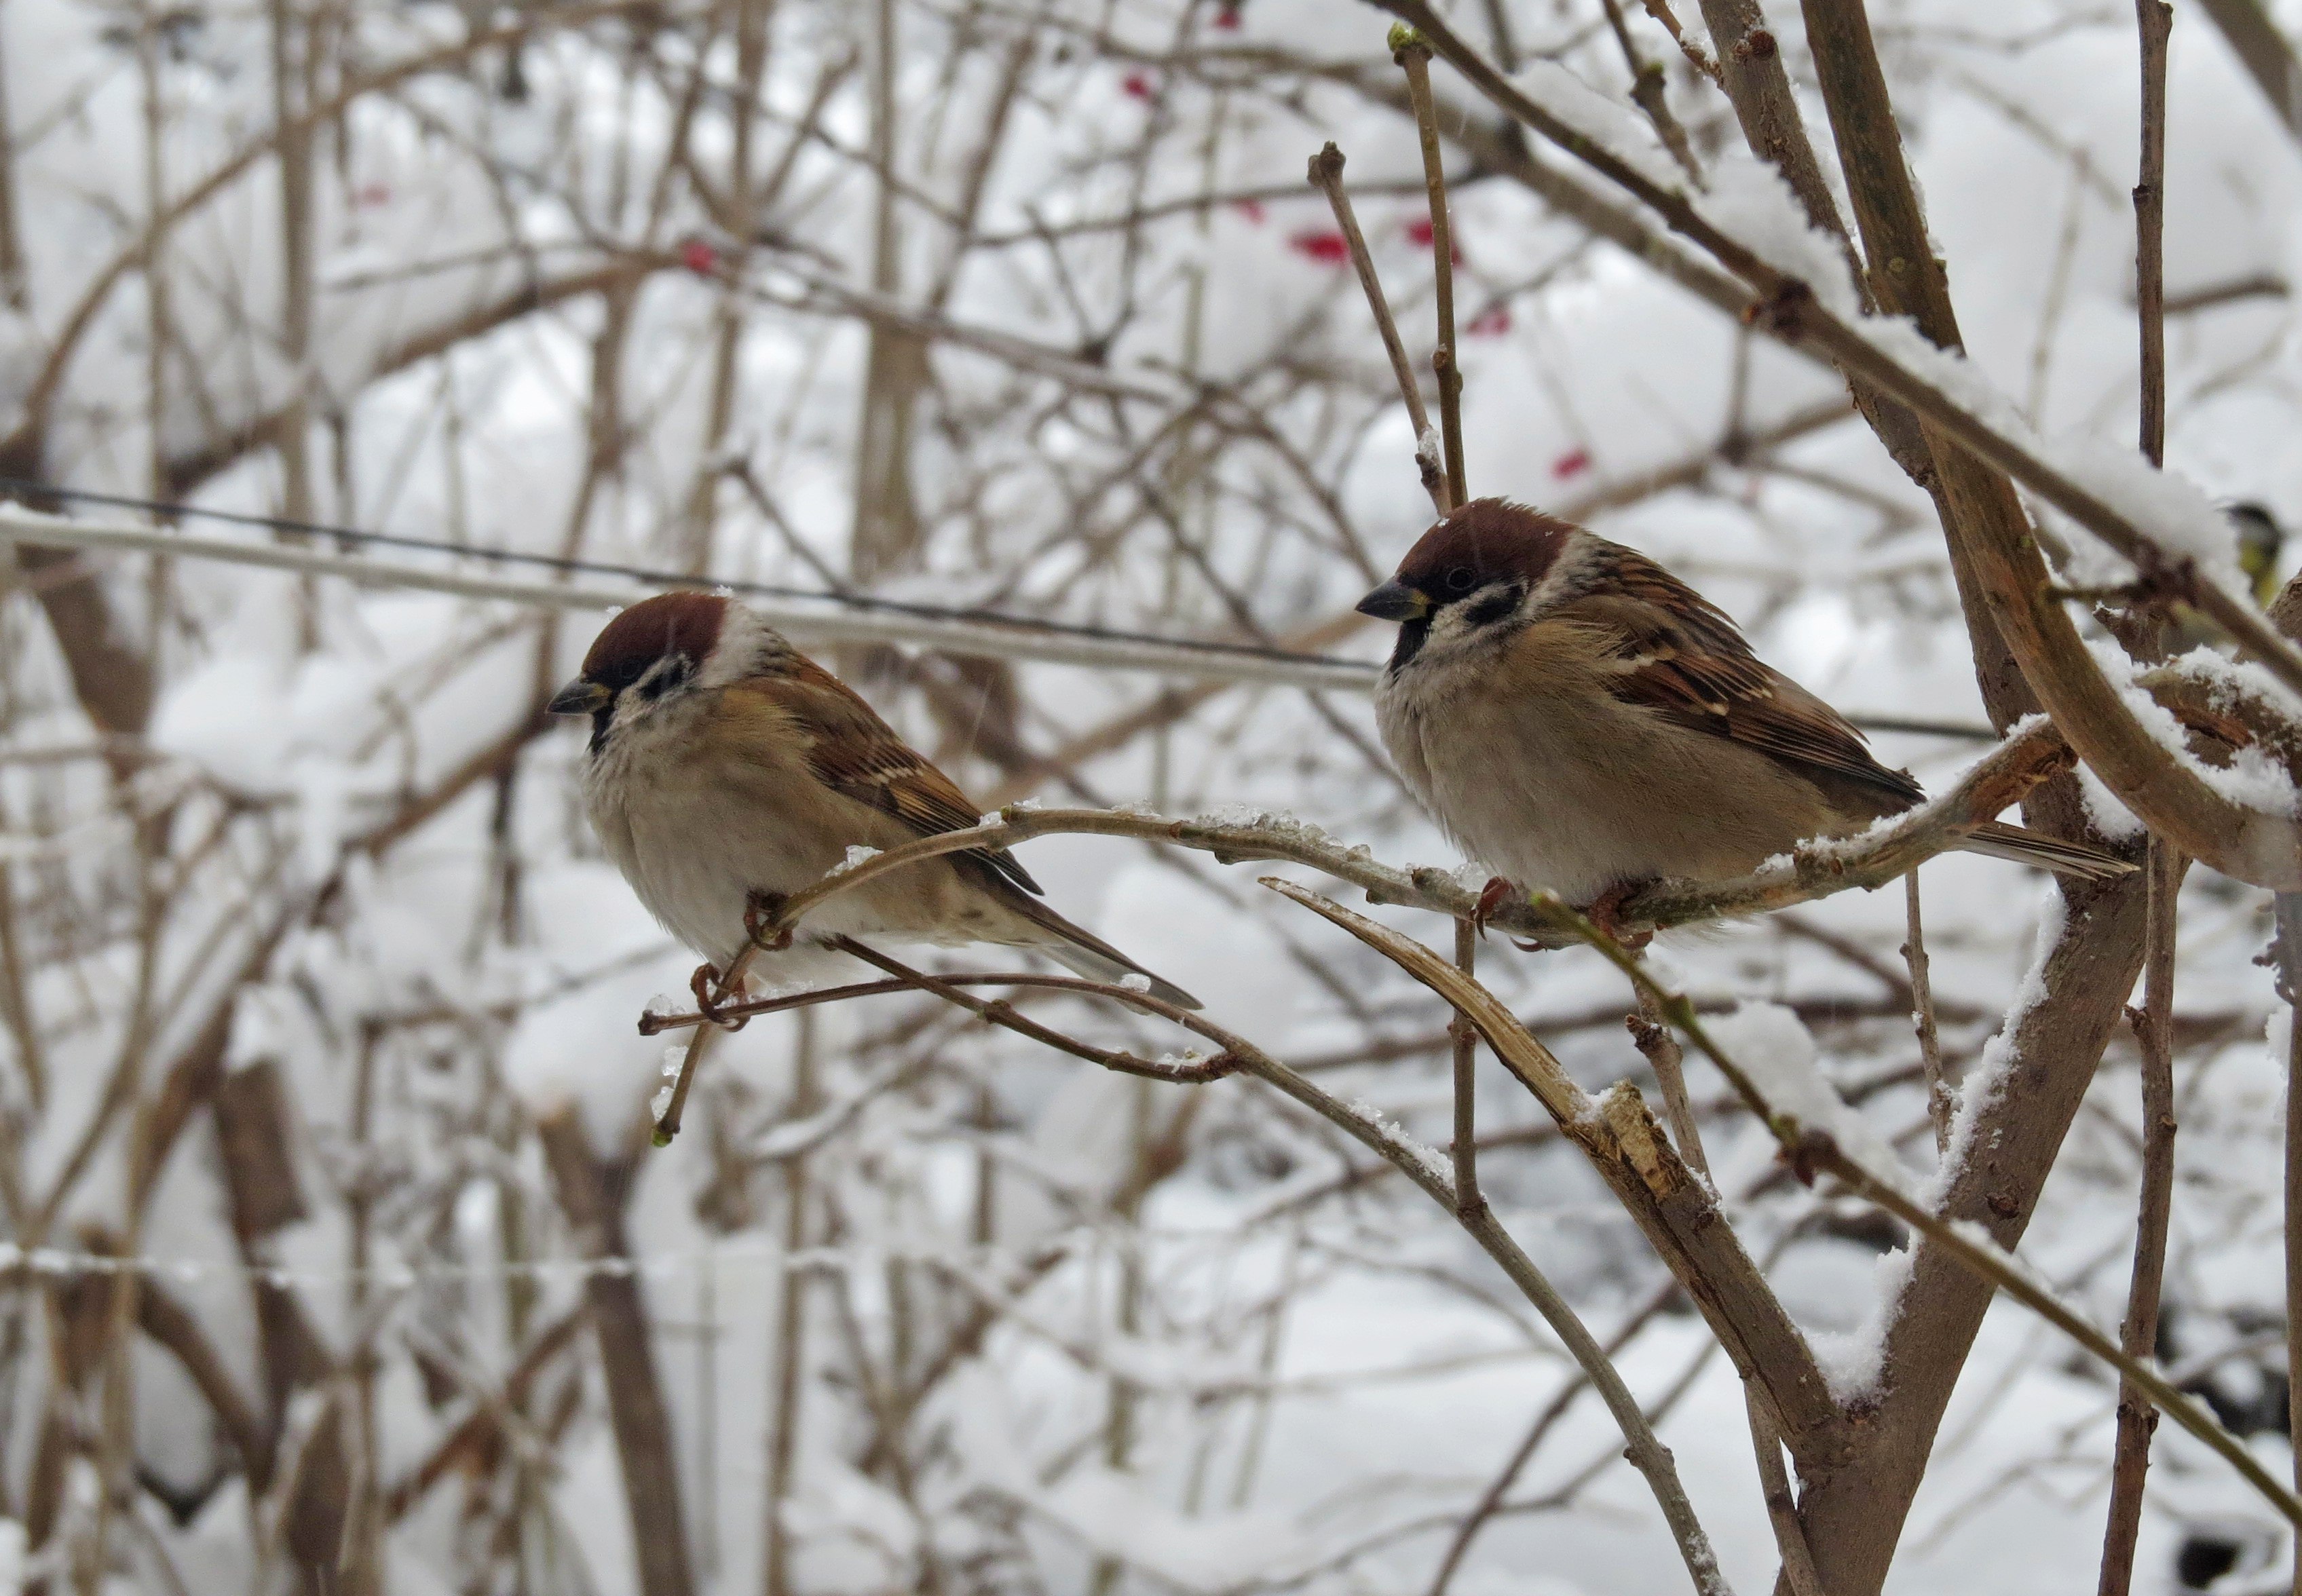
1580 719
726 770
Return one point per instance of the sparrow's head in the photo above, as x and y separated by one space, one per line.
1473 572
661 651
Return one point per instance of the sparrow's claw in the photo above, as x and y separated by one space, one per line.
701 983
1493 896
1606 913
760 909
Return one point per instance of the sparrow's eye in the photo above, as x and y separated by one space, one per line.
1460 579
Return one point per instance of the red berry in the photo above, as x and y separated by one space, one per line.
1574 462
1138 86
699 257
1329 247
1492 321
1227 18
1420 231
1252 209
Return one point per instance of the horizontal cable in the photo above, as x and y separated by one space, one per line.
808 618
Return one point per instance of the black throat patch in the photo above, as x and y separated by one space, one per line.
1412 637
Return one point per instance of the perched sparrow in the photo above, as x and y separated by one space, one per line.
726 767
1579 718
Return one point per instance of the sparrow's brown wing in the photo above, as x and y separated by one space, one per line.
855 753
1679 655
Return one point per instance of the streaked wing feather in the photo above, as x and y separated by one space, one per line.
1683 658
854 752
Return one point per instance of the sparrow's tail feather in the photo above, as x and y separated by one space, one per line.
2080 860
1114 969
1083 952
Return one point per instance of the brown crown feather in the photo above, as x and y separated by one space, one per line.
682 622
1490 538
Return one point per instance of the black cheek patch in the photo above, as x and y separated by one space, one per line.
671 675
1496 604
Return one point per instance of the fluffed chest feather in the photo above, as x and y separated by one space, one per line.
1558 783
696 826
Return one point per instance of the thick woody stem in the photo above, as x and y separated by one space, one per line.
1326 174
1676 1209
1811 1148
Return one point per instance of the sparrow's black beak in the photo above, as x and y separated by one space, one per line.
581 696
1394 600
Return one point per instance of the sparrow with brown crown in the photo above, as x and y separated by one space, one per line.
728 769
1577 717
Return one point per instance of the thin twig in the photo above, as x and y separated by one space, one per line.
1466 1038
1626 1146
654 1024
2288 909
1940 1106
1660 11
790 1331
1004 1015
2139 1334
1326 174
1413 58
1491 1500
1817 870
1652 1036
728 984
2155 19
1647 92
1643 1448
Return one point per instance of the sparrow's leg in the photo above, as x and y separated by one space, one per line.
759 909
1493 896
701 983
1605 909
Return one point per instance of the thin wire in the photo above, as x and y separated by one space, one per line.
30 492
962 630
52 1263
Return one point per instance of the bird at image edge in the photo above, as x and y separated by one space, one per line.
725 767
1582 720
